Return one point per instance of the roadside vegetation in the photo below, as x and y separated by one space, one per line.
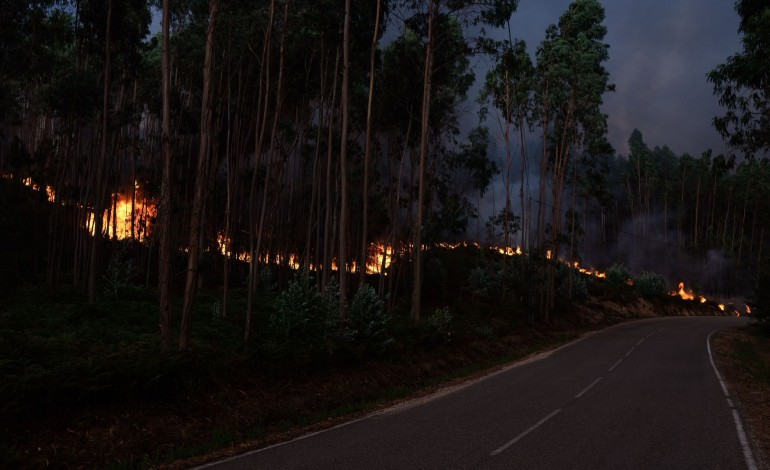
80 379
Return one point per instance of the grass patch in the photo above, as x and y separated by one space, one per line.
751 356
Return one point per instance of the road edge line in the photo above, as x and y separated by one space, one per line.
751 464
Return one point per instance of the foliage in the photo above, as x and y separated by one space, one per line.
482 281
439 325
300 321
578 290
120 272
617 276
742 83
760 301
502 223
368 321
650 285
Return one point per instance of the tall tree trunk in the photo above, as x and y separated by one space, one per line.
164 211
425 128
101 185
330 204
697 208
368 145
259 133
343 254
201 179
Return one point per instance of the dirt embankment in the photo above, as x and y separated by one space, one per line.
597 311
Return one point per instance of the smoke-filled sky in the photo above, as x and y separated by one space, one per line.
660 53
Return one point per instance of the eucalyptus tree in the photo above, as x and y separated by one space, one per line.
742 83
487 12
508 86
571 81
164 209
201 179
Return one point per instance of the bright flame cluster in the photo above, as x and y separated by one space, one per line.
686 294
138 215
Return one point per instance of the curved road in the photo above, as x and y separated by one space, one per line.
642 394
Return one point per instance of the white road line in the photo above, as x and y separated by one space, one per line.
588 388
640 342
615 365
630 351
522 435
747 454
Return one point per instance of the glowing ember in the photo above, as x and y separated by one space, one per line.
748 309
721 307
48 189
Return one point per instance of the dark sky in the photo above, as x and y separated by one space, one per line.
660 52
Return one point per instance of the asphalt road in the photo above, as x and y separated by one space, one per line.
641 395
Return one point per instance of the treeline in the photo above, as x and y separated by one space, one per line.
289 133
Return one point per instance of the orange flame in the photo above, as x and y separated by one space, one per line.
137 215
748 309
721 307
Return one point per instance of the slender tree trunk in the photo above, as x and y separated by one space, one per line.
101 185
425 129
368 145
196 218
330 204
697 207
343 253
263 102
164 211
271 149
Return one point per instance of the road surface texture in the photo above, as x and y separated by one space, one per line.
640 395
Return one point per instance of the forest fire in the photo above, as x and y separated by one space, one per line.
686 294
130 216
35 187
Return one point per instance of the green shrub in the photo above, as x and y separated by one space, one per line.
617 275
299 321
579 289
440 325
480 281
368 322
760 301
120 272
650 285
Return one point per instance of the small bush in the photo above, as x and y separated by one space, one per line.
485 332
480 281
368 322
579 289
617 275
760 302
299 322
650 285
120 272
440 324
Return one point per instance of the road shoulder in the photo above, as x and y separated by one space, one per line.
743 358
